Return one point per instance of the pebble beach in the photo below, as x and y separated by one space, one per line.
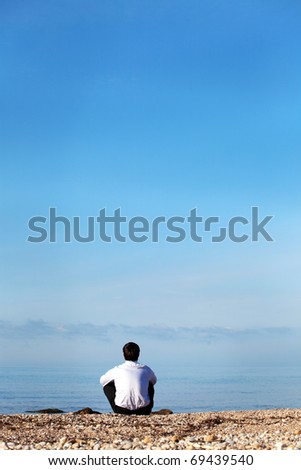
261 429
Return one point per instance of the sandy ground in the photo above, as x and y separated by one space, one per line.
263 429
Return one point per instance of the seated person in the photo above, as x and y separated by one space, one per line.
129 387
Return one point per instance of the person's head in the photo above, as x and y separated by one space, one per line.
131 351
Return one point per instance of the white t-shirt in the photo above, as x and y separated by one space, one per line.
131 382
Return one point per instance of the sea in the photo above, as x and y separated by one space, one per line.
27 390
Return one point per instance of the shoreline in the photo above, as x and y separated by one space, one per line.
252 429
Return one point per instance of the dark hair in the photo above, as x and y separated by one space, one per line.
131 351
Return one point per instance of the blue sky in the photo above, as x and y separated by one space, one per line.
155 108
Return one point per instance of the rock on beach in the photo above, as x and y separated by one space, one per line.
254 430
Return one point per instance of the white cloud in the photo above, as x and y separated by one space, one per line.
35 329
38 343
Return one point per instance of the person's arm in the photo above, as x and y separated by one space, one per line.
153 378
107 377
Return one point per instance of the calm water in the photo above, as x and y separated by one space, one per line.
215 389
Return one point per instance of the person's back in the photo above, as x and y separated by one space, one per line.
129 387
